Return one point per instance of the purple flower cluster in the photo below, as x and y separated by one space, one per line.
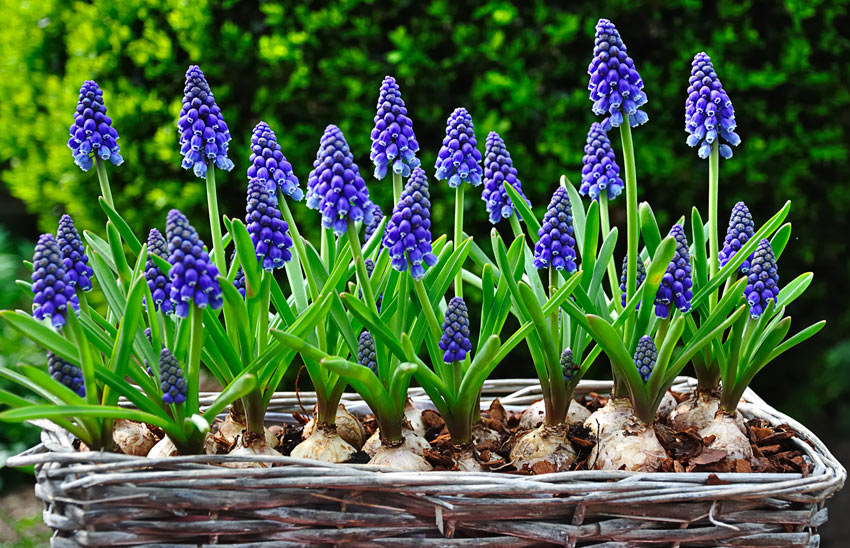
335 186
269 165
203 133
645 356
377 217
709 115
171 379
641 276
498 170
459 159
65 373
556 246
599 171
193 275
676 283
158 282
267 229
762 280
51 283
92 133
393 141
615 86
73 254
455 340
741 229
569 367
408 232
367 356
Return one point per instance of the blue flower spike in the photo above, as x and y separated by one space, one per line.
158 281
394 145
455 341
51 283
615 86
269 232
556 246
709 114
645 356
367 356
741 229
335 186
762 280
172 381
408 232
66 373
269 165
194 278
74 254
569 367
676 283
600 172
377 217
92 134
641 276
499 170
204 136
459 159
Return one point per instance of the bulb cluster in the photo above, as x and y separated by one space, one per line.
92 134
158 282
204 136
408 232
762 279
645 356
676 283
709 115
193 275
499 170
455 340
599 172
556 246
393 141
615 86
335 186
172 382
267 229
268 164
65 373
366 354
741 229
73 254
51 283
459 159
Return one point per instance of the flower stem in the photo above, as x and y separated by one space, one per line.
301 251
215 221
360 266
193 367
263 311
401 299
397 186
605 225
713 191
631 214
425 303
458 234
105 190
553 319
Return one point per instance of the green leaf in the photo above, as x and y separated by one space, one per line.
247 257
524 212
240 387
96 411
239 323
579 217
700 261
123 228
649 228
41 334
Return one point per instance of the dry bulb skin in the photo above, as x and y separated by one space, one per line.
728 437
464 457
164 448
546 444
481 434
698 413
535 414
324 445
412 440
634 447
347 426
232 429
610 418
401 456
668 404
252 448
133 438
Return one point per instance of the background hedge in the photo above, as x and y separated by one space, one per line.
519 67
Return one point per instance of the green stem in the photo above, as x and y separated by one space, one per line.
193 368
425 303
84 304
254 412
105 190
713 191
458 234
605 225
631 214
401 299
300 249
398 183
215 221
263 311
360 267
553 319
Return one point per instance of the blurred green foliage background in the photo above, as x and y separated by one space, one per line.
519 67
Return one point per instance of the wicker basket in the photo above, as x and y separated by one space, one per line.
98 499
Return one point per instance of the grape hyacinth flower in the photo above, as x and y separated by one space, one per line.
615 86
455 340
599 171
73 254
641 276
569 367
498 170
204 136
408 232
51 283
377 217
459 159
92 134
645 356
66 373
556 246
741 229
193 275
335 186
269 165
709 115
267 229
158 282
172 382
149 337
239 282
676 283
393 141
762 280
366 353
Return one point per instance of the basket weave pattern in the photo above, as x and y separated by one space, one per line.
99 499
